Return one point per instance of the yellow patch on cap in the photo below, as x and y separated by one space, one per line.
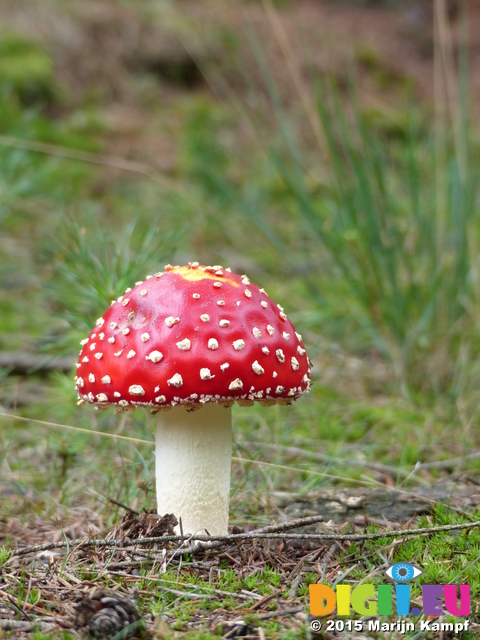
200 273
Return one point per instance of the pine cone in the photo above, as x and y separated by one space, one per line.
106 613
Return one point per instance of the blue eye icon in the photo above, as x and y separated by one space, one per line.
403 572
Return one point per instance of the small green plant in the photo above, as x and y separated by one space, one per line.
40 635
4 555
95 265
271 576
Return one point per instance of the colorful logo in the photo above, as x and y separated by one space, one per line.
402 572
376 600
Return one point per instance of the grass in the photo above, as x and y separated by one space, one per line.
93 265
377 263
393 214
452 560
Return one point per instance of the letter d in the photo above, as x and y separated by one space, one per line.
322 599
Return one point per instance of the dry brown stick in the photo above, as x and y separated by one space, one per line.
322 566
255 535
280 612
273 528
296 582
123 506
290 524
239 622
268 531
329 554
9 601
354 537
16 625
298 571
263 601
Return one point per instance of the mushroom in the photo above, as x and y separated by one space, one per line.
189 338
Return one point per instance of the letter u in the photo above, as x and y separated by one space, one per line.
451 602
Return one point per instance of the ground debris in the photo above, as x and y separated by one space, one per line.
387 506
79 522
144 525
222 584
230 578
105 613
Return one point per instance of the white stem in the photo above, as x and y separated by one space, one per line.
193 460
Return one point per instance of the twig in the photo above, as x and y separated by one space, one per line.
207 542
327 557
290 524
220 592
342 576
297 581
10 601
298 571
88 542
263 601
123 506
16 625
239 625
280 612
268 531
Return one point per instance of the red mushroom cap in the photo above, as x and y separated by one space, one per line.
192 335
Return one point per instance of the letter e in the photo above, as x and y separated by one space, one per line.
432 605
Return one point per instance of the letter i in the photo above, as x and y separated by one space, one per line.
384 597
402 591
343 599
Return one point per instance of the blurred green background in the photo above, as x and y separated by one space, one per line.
329 150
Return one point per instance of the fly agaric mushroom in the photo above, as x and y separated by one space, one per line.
192 338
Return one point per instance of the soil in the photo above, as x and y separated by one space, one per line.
380 506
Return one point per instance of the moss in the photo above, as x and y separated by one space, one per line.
26 68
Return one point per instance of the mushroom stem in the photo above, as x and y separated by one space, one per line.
193 461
